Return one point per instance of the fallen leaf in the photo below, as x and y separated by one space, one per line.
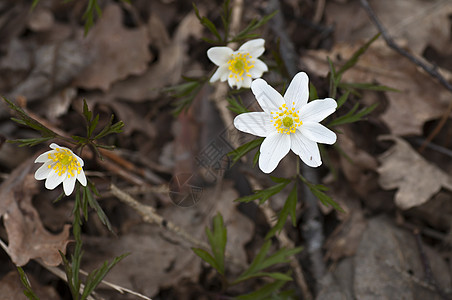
417 22
420 99
167 70
27 237
416 179
388 263
117 52
55 67
357 165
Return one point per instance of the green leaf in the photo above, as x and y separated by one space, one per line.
252 26
334 79
312 92
205 256
217 240
26 120
343 99
30 142
236 106
262 262
110 128
264 194
354 59
318 191
238 153
28 290
351 117
263 293
208 24
89 15
33 5
289 208
95 205
96 276
186 92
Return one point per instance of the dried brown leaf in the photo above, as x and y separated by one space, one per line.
388 263
167 70
416 179
117 52
420 98
417 22
27 237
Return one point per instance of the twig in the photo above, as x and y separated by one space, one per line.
311 226
427 67
149 215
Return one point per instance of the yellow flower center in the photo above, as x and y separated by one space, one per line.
286 120
239 65
64 161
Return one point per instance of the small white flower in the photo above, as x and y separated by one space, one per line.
61 165
288 122
238 67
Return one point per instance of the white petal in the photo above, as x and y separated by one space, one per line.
254 47
232 82
43 157
69 184
273 149
53 180
220 73
267 97
259 68
239 83
54 146
317 110
298 91
306 149
43 171
82 178
219 55
256 123
318 133
79 160
246 82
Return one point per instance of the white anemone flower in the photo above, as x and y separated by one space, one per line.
288 123
238 67
61 165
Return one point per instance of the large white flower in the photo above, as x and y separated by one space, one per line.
288 122
61 165
238 67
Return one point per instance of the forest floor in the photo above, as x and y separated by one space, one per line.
390 172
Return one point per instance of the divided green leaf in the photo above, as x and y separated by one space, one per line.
217 240
262 261
238 153
263 195
288 209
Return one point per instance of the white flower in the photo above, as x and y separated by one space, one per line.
61 165
288 122
238 67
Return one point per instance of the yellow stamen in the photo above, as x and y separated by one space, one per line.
239 65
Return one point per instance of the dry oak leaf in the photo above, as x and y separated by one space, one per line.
27 237
420 99
117 52
416 179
